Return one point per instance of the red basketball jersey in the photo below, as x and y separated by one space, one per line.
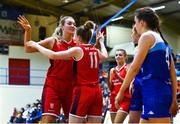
116 82
88 66
61 69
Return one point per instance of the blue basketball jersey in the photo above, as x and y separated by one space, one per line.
155 86
157 62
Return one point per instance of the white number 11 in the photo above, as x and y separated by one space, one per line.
93 59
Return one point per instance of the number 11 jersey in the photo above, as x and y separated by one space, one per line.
88 66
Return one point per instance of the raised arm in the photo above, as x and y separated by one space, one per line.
103 53
75 52
48 43
27 29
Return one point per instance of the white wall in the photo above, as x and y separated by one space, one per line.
117 35
119 38
16 96
37 61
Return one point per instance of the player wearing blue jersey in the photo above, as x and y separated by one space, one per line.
157 82
135 108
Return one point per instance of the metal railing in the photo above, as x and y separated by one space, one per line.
36 76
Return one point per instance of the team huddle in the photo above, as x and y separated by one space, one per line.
144 89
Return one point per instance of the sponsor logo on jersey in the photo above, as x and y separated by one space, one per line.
150 112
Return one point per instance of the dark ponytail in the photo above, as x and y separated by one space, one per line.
85 32
151 18
158 29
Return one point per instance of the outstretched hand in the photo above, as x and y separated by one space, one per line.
100 37
24 23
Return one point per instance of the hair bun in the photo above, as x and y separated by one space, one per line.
89 25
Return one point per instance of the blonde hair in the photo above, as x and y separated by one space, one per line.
58 31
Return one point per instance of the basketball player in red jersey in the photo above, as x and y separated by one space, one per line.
117 75
87 94
57 91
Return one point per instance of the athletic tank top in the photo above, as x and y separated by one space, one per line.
88 66
61 69
157 62
116 82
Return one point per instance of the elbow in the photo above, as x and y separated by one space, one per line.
26 49
53 56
